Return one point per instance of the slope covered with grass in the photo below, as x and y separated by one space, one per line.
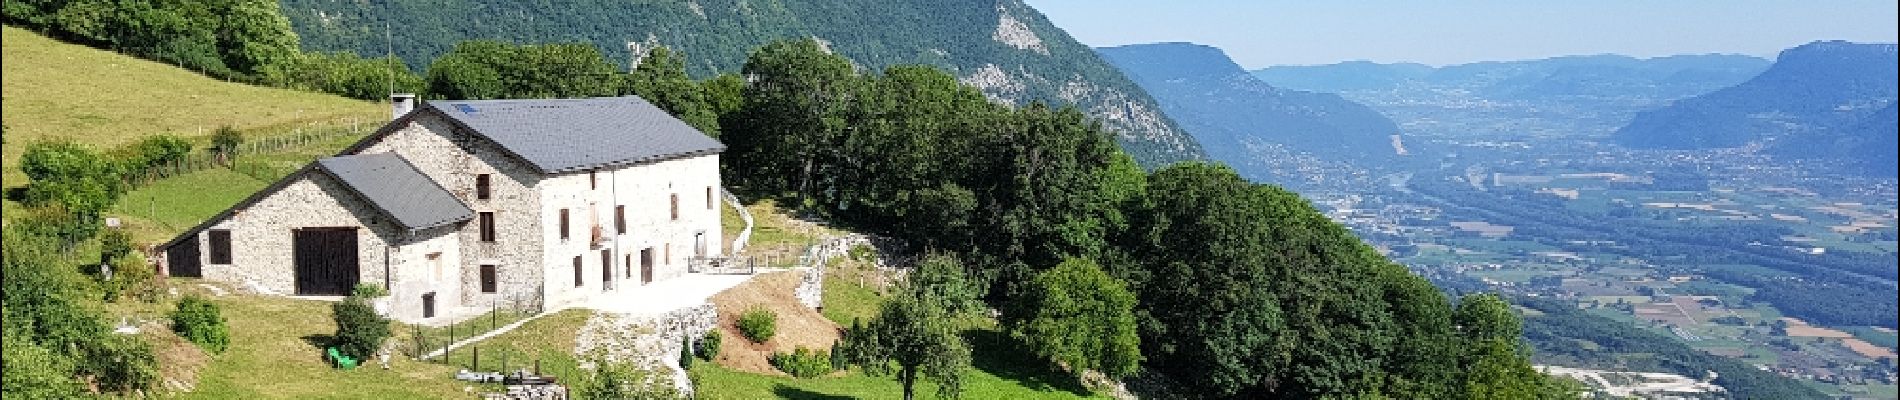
51 89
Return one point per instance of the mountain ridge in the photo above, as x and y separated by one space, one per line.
1825 99
1006 48
1232 113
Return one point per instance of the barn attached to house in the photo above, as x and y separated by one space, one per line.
458 205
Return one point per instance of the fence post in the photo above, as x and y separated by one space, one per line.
475 359
415 335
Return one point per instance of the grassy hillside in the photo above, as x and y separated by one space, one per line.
52 89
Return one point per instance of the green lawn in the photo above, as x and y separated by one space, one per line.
60 90
273 355
845 298
549 339
168 206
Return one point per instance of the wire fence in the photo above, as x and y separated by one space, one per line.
268 141
419 340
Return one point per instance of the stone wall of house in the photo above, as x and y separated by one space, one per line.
424 263
262 254
453 158
652 342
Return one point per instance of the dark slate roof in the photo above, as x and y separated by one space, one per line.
566 135
394 186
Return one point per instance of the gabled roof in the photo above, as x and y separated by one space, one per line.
394 186
371 167
567 135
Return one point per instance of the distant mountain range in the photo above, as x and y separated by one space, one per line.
1830 100
1004 47
1235 115
1561 96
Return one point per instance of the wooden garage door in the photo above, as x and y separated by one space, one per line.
183 259
326 261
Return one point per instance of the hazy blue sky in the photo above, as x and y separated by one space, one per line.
1263 33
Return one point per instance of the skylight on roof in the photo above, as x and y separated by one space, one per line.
466 109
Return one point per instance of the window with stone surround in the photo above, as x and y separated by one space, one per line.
563 224
481 187
220 246
488 227
709 198
676 206
578 280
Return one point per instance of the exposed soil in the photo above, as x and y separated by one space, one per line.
797 325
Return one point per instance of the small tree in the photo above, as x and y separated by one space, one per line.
359 329
918 330
199 321
686 352
225 143
1083 318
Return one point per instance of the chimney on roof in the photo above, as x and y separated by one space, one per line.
401 104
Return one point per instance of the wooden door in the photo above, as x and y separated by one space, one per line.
326 261
428 305
183 259
606 269
646 266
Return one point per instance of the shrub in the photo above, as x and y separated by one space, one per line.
199 321
32 372
803 362
862 253
758 324
120 363
708 347
69 175
131 276
114 244
225 141
359 329
151 152
620 380
368 291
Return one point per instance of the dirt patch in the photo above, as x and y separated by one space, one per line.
179 361
1799 328
1867 349
797 325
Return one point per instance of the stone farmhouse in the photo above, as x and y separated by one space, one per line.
457 204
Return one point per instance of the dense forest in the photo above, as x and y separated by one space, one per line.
1243 290
1036 61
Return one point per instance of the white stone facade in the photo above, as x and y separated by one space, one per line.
532 261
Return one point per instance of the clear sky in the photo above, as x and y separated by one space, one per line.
1261 33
